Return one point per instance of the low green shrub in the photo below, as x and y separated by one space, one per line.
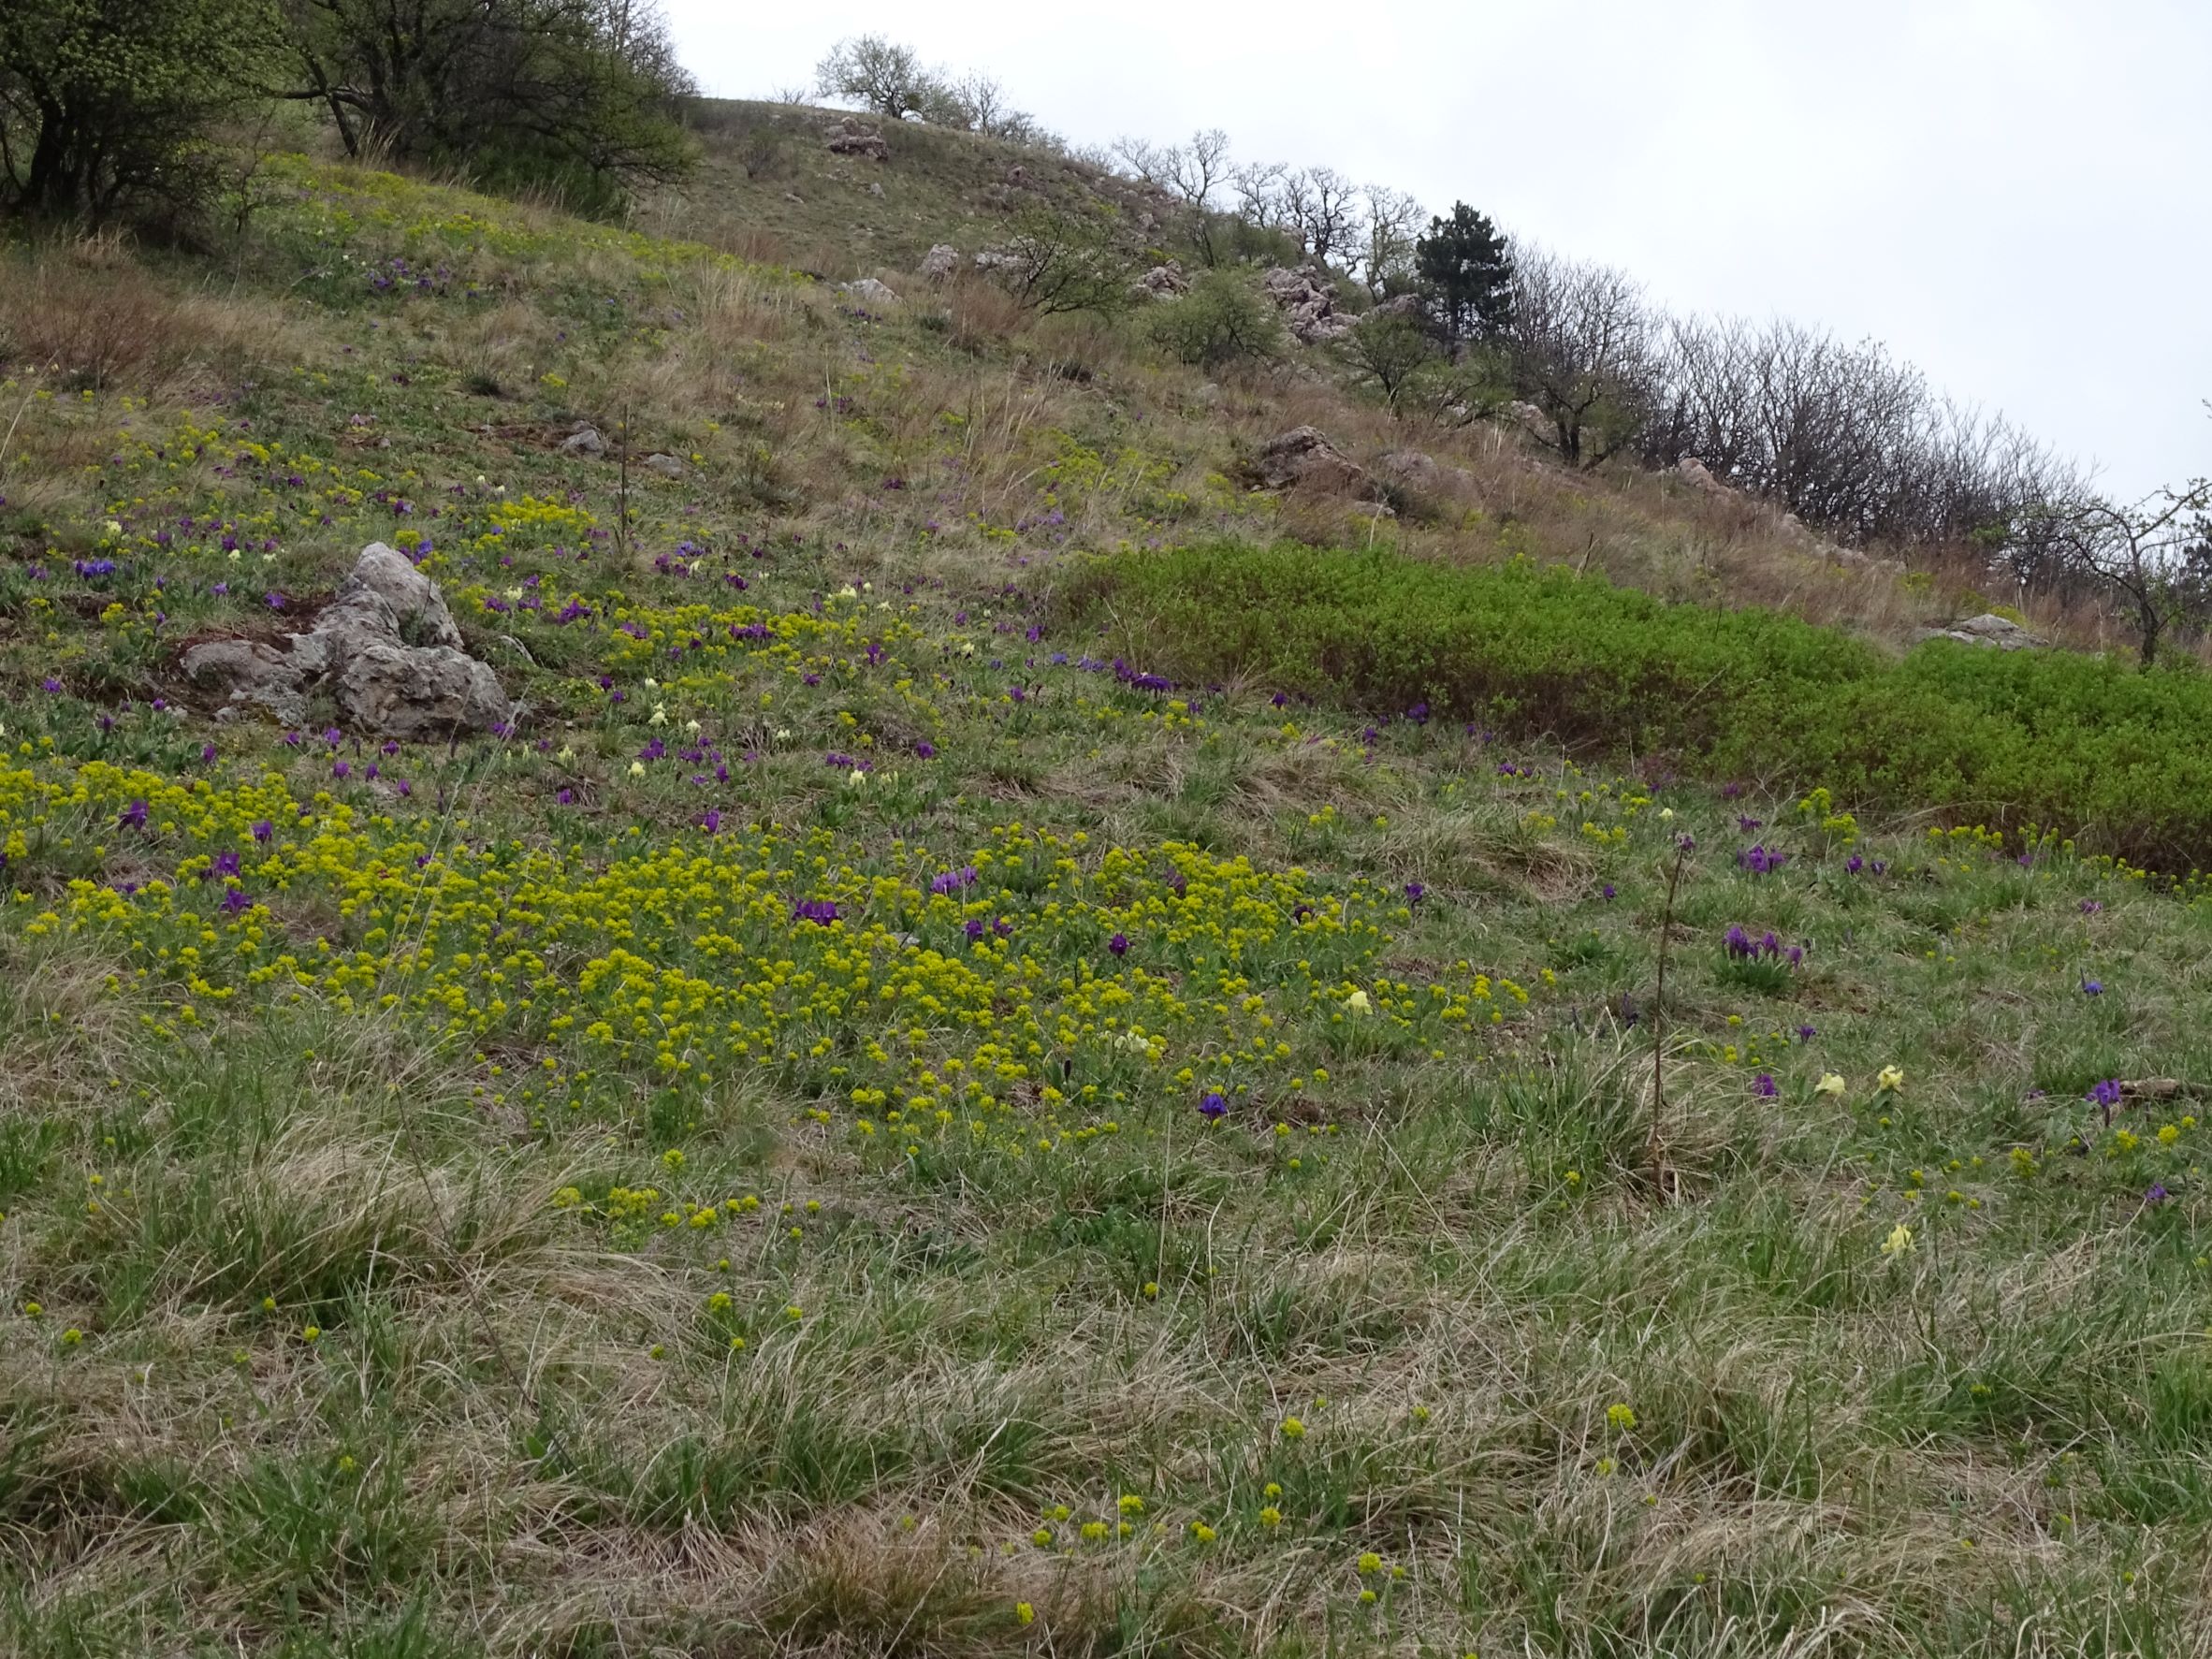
2087 746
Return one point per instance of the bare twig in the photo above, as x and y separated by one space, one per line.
1655 1146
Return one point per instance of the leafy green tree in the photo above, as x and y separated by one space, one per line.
584 92
1061 260
881 75
1390 351
1468 266
105 104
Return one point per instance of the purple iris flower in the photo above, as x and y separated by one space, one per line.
1119 944
1213 1105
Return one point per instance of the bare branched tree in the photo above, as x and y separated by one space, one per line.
2140 554
1323 207
1579 349
1144 160
1393 223
1258 188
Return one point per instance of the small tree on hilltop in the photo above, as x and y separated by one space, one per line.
2147 555
880 74
1468 266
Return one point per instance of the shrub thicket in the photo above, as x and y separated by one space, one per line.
2085 745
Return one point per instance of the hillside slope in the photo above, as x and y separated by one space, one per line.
870 1118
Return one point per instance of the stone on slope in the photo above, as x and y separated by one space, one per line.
1303 457
1990 630
386 649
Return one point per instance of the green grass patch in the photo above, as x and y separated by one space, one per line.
2023 742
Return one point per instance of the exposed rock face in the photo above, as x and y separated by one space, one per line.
1697 476
1307 299
666 465
1990 630
1400 305
252 673
1423 474
852 138
1162 282
385 648
1534 421
869 292
939 263
1303 457
584 439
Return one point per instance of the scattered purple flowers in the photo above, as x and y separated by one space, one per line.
821 911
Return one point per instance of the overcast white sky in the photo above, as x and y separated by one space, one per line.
2015 195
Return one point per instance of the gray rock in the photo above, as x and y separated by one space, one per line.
1420 472
247 671
387 594
869 291
851 137
1162 282
940 262
418 691
386 649
1303 458
584 439
1990 630
1697 476
1307 296
666 465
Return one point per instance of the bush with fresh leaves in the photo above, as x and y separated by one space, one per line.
105 105
1224 320
2085 745
581 94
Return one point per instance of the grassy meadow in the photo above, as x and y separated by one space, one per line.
939 1096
